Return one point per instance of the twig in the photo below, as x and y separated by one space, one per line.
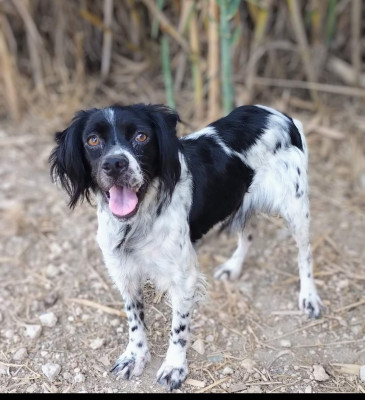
348 307
213 385
107 39
93 304
321 87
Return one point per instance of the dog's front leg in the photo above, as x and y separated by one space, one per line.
132 361
174 369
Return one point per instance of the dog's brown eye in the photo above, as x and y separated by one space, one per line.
141 137
93 141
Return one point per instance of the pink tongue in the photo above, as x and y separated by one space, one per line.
122 201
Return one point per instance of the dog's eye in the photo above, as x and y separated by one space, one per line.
93 141
141 137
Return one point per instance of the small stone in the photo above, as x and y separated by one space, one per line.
50 299
66 375
52 271
198 346
256 375
33 331
51 370
97 343
319 373
308 389
362 373
255 389
9 333
248 365
215 357
115 322
3 369
227 371
285 343
209 339
48 319
20 354
31 388
79 378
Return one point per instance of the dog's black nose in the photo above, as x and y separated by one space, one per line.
115 165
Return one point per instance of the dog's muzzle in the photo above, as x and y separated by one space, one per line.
121 185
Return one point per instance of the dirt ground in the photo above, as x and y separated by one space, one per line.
247 336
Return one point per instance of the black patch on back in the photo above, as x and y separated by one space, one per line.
219 183
241 128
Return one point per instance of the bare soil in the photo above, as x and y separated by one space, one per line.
251 334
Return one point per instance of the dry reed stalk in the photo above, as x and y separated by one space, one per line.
195 61
135 28
79 57
261 15
34 42
165 24
8 74
60 41
356 16
301 37
213 61
107 39
318 87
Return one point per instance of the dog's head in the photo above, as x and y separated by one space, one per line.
118 151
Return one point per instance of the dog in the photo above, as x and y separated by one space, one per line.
157 195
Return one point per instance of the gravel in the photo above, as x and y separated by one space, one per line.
33 331
51 370
48 319
319 373
20 354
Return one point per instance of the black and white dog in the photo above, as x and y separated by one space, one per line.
157 195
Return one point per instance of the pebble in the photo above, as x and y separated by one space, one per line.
227 371
3 369
248 365
79 378
198 346
362 373
308 389
33 331
285 343
319 373
115 322
97 343
51 370
9 333
215 357
20 354
52 271
255 389
31 388
48 319
209 339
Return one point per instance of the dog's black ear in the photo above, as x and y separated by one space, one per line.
68 162
165 120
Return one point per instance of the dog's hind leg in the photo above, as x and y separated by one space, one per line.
232 268
296 213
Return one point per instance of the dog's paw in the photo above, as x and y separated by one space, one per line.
172 376
311 304
130 364
227 271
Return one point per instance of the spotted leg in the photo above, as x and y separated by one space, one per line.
174 369
232 268
133 360
296 212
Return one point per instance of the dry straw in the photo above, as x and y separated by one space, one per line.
238 51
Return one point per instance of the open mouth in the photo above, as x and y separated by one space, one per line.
123 201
